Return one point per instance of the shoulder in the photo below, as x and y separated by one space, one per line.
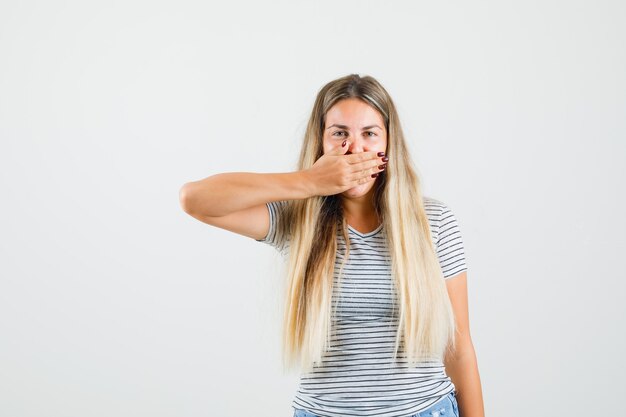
440 217
434 208
276 208
432 203
277 205
447 237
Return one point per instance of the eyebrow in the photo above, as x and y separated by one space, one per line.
346 127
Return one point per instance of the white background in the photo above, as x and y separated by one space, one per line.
114 302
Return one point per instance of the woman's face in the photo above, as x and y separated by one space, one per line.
363 126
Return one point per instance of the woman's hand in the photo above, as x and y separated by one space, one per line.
335 172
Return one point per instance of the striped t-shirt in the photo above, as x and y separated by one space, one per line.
358 375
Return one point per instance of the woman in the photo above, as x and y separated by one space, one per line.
376 307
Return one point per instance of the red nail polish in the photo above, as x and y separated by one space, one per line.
375 175
343 143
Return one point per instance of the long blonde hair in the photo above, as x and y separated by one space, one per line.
426 320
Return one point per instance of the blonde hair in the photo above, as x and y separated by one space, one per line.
426 325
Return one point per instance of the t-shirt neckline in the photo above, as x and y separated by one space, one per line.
365 235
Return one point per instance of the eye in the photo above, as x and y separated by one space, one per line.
339 131
372 134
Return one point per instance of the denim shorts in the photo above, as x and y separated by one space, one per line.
445 407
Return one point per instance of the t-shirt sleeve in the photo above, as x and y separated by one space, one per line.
450 249
275 209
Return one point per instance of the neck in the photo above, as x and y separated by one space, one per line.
360 209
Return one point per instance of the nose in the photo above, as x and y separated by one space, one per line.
356 145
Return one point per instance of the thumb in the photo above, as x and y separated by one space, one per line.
341 149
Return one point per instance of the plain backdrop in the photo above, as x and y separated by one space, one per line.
114 302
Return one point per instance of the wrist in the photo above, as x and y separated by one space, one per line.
305 183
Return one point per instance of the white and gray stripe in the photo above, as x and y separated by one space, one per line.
358 376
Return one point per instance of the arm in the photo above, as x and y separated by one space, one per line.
461 365
225 193
235 201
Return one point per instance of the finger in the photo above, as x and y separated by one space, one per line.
373 165
341 149
356 158
364 180
364 175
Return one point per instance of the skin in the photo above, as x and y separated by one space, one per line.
355 115
462 365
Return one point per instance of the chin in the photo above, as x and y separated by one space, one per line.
358 191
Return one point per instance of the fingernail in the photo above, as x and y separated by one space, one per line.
375 175
382 166
343 143
380 154
385 159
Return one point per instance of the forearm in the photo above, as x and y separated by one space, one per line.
463 370
224 193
